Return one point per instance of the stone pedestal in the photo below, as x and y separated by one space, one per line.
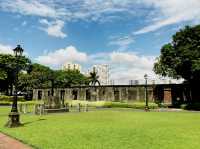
146 109
53 104
13 120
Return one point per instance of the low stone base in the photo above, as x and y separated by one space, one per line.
56 110
13 120
146 109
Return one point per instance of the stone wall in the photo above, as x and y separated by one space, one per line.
122 93
175 94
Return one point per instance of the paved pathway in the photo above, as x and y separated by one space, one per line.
7 142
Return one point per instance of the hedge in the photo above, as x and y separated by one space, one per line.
191 106
110 104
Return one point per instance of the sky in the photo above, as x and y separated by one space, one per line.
125 34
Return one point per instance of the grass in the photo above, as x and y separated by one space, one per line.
108 129
110 104
4 110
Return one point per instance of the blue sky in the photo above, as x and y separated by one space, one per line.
126 34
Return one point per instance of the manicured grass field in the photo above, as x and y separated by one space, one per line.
109 129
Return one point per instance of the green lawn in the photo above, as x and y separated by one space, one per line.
109 129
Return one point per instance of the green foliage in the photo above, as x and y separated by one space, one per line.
108 129
43 77
4 98
3 74
191 106
68 78
93 78
181 57
9 67
38 77
110 104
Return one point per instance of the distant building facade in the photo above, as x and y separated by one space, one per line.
103 73
71 66
133 82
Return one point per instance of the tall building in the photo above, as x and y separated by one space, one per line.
103 73
71 66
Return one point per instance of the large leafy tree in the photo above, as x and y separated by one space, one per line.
9 66
181 57
39 76
42 76
69 77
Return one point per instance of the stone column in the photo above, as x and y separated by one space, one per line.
138 94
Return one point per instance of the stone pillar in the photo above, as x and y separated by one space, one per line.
138 94
79 107
67 107
20 108
97 94
25 108
36 109
86 107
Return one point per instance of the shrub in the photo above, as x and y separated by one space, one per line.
191 106
4 98
110 104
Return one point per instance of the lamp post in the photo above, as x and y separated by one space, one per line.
146 95
14 117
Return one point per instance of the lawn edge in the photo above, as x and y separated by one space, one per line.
22 141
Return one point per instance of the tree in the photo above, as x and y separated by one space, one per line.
181 57
42 76
39 76
93 78
8 69
69 77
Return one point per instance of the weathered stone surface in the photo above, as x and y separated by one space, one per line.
97 93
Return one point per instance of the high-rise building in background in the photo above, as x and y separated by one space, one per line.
103 73
71 66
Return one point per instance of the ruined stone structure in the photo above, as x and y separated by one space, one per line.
121 93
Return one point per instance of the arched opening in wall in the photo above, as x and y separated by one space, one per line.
116 95
39 95
88 95
49 93
102 93
132 94
75 94
62 96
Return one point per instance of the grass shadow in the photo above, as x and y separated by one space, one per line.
30 122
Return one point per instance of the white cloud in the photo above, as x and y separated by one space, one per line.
130 66
122 42
124 66
93 10
61 56
44 9
30 7
5 49
53 28
167 12
132 59
161 12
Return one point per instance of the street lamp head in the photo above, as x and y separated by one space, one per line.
18 51
145 76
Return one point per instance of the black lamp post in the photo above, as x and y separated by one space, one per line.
146 94
14 117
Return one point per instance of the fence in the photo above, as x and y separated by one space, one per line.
40 109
